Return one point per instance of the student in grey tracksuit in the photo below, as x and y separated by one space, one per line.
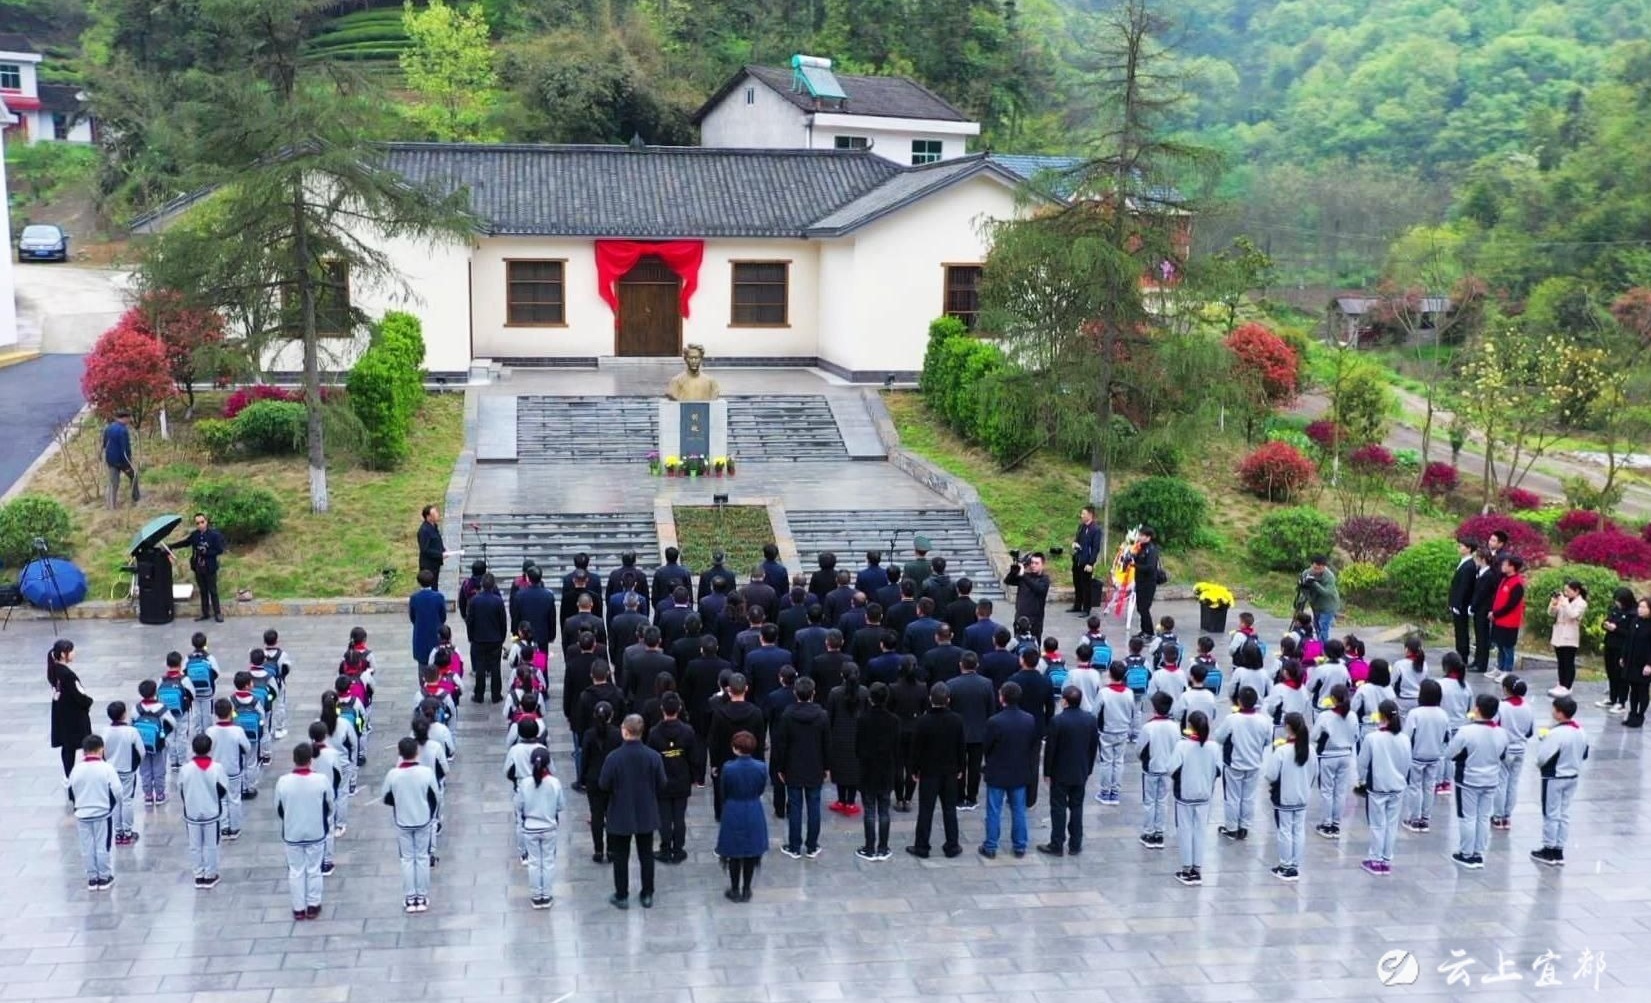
1384 770
232 750
433 756
329 762
1290 772
123 749
1243 737
1560 753
343 737
304 804
414 797
95 793
1159 737
1477 751
539 807
280 666
1288 697
1117 718
159 730
1327 675
1194 697
1367 699
1408 674
1426 727
1334 736
203 788
518 765
1517 722
1193 769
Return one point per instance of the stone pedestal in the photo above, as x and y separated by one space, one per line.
693 428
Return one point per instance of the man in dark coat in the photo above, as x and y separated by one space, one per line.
1068 759
1148 562
919 635
821 582
731 716
634 779
486 626
759 593
979 635
884 667
1031 587
810 641
624 628
432 553
773 706
762 666
602 689
684 757
802 754
205 545
426 611
899 616
717 573
853 621
1000 663
578 674
750 638
673 615
975 699
1461 596
627 578
871 577
1487 578
580 581
959 614
729 626
773 572
686 647
794 617
942 661
643 669
584 619
670 575
839 600
939 586
867 642
711 606
700 682
917 569
1033 689
827 668
1086 554
937 760
889 594
1012 738
537 607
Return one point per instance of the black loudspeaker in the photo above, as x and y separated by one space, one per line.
154 587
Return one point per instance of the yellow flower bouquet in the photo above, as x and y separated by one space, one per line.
1212 594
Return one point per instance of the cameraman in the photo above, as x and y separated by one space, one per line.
1032 588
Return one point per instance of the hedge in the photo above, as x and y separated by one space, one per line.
240 511
387 386
1174 509
1288 539
1419 578
1600 583
27 517
955 383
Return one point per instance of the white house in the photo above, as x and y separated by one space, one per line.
38 111
834 258
810 108
8 289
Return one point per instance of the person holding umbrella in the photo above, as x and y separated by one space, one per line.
205 546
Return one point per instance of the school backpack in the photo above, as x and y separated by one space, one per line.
468 590
170 693
199 671
151 726
1212 674
264 690
1057 671
1136 674
351 711
444 709
277 658
1159 644
1252 654
250 718
1102 654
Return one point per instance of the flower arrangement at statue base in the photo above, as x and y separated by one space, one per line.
694 464
1214 602
655 466
722 466
673 466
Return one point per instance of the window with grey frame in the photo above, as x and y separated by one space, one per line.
761 293
925 151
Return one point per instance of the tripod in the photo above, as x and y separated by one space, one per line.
41 554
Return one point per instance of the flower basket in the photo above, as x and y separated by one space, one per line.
695 466
1214 603
673 467
730 465
654 464
718 466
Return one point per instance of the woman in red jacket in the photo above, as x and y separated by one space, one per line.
1507 613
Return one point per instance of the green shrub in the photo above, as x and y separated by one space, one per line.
272 428
1287 539
29 516
957 384
1360 579
1600 583
240 511
402 334
1173 508
1164 459
374 398
1290 437
218 436
1546 519
1419 578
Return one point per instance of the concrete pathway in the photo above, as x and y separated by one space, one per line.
62 309
36 398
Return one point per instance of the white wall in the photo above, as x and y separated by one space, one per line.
40 129
590 329
770 122
8 291
899 278
895 146
28 62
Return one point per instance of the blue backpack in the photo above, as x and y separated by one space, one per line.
151 727
250 718
170 694
351 712
199 670
1057 675
263 689
1101 656
1136 674
1213 675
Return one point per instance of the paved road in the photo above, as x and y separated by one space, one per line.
36 397
63 308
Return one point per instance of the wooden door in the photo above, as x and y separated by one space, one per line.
649 324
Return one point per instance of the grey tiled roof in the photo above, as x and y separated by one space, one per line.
904 188
620 191
11 41
60 98
886 97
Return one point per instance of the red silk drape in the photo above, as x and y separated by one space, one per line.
616 257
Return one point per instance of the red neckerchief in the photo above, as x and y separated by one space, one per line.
302 771
1170 667
404 764
92 759
1160 717
226 722
1569 724
1247 710
204 762
243 693
173 674
1516 701
1292 684
1117 687
1492 723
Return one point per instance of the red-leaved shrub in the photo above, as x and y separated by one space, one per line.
1645 532
1628 556
1323 433
126 371
1440 478
1579 521
241 399
1371 459
1523 539
1371 539
1276 471
1521 500
1264 358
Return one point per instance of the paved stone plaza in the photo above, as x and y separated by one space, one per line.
1110 925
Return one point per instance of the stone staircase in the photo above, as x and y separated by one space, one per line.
851 533
551 541
624 429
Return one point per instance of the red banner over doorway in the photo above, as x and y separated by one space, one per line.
616 257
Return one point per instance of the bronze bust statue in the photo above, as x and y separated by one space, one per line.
691 384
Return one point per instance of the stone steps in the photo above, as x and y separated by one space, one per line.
551 541
850 533
592 429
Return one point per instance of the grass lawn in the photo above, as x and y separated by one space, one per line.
739 531
371 525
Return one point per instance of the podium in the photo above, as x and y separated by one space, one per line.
693 428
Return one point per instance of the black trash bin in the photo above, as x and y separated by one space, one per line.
154 586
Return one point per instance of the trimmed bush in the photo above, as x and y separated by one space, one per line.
387 386
272 428
1440 479
1628 556
243 398
1360 579
1520 500
1418 578
402 334
26 517
220 438
1371 459
1276 471
957 369
1371 539
1600 583
1578 521
1545 519
1287 539
240 511
1173 508
1523 539
1324 433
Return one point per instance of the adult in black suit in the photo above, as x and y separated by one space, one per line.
715 575
625 627
1036 695
487 628
673 615
982 630
732 715
1461 595
1011 747
643 668
578 673
839 599
959 614
794 617
758 592
900 615
536 606
773 572
634 779
919 635
939 585
828 667
686 648
763 665
585 619
1487 576
868 640
975 699
671 575
727 629
936 762
1069 753
1000 663
853 621
873 576
1086 553
702 680
941 662
821 582
888 595
627 578
580 581
810 642
431 551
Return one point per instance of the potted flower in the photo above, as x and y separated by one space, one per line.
718 464
1214 601
653 462
728 462
695 464
673 466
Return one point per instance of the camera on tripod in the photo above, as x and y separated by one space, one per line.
40 548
